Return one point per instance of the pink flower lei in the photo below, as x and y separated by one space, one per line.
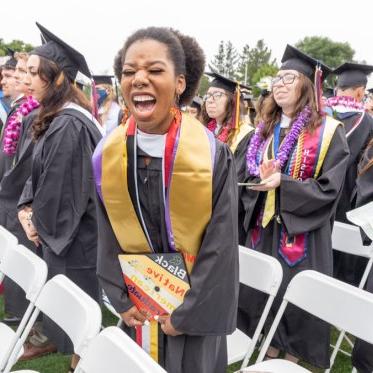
345 101
257 142
224 133
13 129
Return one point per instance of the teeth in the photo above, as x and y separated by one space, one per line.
141 98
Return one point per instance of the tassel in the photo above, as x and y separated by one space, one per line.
237 107
318 88
94 100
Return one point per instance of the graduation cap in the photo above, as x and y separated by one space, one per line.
370 90
294 59
66 57
10 63
223 82
352 74
103 79
197 102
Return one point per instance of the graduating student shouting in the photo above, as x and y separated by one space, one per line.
168 186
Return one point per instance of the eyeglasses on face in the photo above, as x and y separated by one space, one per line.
216 96
287 78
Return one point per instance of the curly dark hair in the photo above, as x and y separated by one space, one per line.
59 91
184 51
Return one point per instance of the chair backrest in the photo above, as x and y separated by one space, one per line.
347 238
7 240
26 269
340 304
71 309
259 271
115 352
363 217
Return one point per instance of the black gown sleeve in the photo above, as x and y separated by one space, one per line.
64 185
308 205
109 271
27 195
364 185
210 306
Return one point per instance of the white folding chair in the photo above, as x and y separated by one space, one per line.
263 273
70 308
7 240
347 239
29 272
111 309
323 297
113 351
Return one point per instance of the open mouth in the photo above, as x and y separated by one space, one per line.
144 103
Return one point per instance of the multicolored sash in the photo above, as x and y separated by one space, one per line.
305 162
187 179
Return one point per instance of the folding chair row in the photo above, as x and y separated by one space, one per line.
323 297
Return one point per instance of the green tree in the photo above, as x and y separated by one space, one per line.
203 86
326 50
16 45
225 61
263 71
252 59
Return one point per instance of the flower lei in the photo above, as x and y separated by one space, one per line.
13 129
345 101
224 133
257 142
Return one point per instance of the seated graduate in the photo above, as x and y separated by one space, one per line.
300 156
347 106
362 355
58 203
167 186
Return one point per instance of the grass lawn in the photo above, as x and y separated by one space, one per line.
57 363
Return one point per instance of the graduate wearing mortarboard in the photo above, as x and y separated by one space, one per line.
108 108
347 106
58 203
300 156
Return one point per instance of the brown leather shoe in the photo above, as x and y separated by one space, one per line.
33 352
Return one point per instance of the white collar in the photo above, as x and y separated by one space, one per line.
151 144
285 121
72 105
16 100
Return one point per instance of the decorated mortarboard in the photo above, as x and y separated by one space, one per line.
294 59
221 81
66 57
11 62
197 102
352 74
103 79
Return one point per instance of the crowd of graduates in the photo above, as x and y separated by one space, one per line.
162 170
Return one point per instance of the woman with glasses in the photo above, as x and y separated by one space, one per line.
298 156
221 112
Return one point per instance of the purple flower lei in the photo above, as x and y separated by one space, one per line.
13 129
286 147
346 101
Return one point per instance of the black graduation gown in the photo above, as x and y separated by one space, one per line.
362 355
11 188
240 161
6 161
303 206
349 268
209 310
63 199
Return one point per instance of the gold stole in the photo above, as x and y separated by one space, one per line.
242 131
330 127
190 192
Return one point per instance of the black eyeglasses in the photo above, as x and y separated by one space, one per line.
287 78
216 96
